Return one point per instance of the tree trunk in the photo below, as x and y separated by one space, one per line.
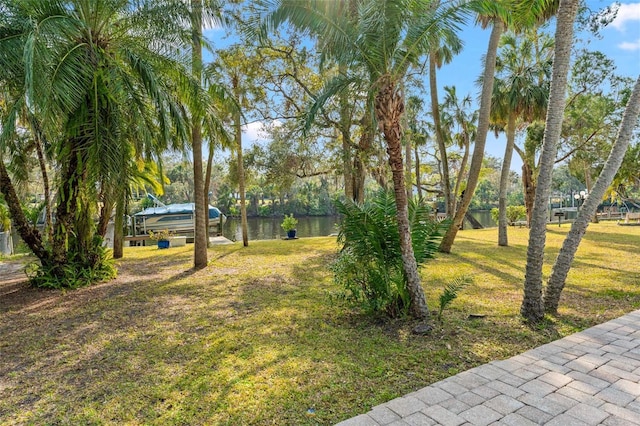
243 202
201 234
40 143
359 168
105 212
28 233
481 137
207 185
532 307
504 179
389 107
407 157
579 227
67 204
417 168
345 132
459 179
529 186
442 148
118 226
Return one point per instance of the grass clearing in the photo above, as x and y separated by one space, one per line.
256 338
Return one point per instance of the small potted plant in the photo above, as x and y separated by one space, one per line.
289 224
162 237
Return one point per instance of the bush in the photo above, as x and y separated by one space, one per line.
83 267
289 223
369 266
514 213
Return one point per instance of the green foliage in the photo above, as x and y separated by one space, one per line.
164 235
514 213
450 293
82 268
5 219
31 212
289 223
369 266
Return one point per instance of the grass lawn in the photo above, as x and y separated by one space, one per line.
257 338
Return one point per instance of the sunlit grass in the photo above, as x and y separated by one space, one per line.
259 338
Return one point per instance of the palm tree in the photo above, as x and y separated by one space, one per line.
437 58
201 201
387 39
457 116
101 77
532 307
518 96
499 15
587 211
483 125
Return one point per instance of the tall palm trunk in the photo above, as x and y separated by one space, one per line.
241 184
389 107
504 179
532 307
417 169
407 158
201 234
481 136
588 209
529 185
442 148
207 183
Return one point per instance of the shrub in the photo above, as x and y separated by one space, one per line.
289 223
164 235
514 214
369 266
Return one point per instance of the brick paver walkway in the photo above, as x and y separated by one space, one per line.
587 378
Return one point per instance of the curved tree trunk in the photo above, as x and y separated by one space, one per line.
579 227
504 179
201 234
532 307
28 233
481 138
389 107
456 189
442 148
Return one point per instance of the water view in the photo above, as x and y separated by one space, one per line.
265 228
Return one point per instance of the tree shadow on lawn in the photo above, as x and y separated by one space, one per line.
129 342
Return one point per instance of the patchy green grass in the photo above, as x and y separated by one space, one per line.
257 337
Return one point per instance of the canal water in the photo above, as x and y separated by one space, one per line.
264 228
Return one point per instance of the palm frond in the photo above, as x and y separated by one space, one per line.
451 291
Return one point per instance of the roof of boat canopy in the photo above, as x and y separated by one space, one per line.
176 209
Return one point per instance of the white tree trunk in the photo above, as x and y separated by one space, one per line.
588 209
532 307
